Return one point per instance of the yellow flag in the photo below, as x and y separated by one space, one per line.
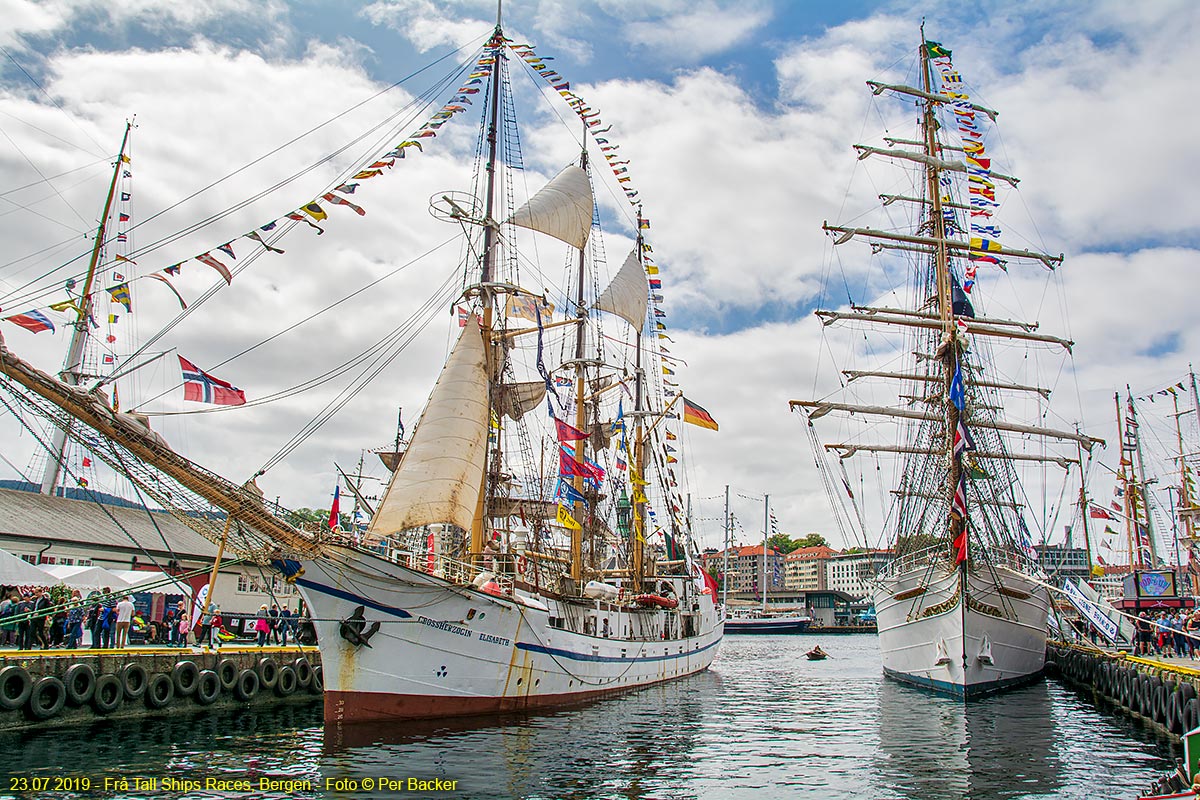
637 479
566 520
64 305
639 496
314 211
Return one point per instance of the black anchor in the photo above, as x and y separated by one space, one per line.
354 629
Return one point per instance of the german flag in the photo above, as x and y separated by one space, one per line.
698 416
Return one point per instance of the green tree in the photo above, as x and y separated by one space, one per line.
812 540
308 517
781 542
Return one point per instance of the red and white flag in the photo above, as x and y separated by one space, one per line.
201 387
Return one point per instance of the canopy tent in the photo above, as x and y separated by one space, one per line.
137 579
87 577
18 572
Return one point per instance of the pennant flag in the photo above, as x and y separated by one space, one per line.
126 197
32 320
298 217
959 504
120 294
957 393
227 249
208 259
671 437
569 466
566 520
695 415
566 433
349 188
87 462
255 236
568 493
122 217
341 201
125 259
108 358
200 387
334 509
1096 512
174 269
314 211
175 291
962 439
112 319
66 305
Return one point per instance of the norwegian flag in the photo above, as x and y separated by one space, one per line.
201 387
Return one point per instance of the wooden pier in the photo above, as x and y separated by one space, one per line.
56 687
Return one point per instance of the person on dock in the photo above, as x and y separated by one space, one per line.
286 623
261 625
273 618
214 628
74 623
125 610
41 609
184 627
8 628
24 629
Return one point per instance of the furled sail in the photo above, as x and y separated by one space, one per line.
628 294
562 209
441 475
518 399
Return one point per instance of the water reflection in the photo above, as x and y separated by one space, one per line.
763 723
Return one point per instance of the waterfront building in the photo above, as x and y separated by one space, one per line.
805 568
854 572
746 567
48 531
1061 561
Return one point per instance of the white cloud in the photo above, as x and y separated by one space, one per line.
690 31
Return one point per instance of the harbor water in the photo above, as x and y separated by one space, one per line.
762 723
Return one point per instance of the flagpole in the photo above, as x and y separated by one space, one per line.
1143 487
1133 556
1185 500
72 371
1083 506
212 578
725 567
766 528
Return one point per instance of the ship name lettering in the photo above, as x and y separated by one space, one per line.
444 626
487 637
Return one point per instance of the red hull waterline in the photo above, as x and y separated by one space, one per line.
351 708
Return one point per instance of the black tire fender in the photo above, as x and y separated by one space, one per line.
247 685
318 680
133 680
47 697
286 683
268 672
227 671
109 693
15 686
80 680
160 691
185 675
304 672
208 687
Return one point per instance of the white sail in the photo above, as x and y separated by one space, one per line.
629 293
518 399
441 475
562 209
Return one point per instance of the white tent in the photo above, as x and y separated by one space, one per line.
87 577
138 578
18 572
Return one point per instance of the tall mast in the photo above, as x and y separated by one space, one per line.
72 371
487 274
766 531
1083 507
1143 486
725 566
1129 505
580 410
1185 498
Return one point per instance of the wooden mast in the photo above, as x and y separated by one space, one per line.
1185 497
637 527
578 508
486 277
1129 504
1142 485
72 371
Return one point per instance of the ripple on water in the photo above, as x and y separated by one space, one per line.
763 722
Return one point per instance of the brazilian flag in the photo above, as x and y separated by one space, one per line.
935 50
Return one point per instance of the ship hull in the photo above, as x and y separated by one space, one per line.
929 636
446 650
766 626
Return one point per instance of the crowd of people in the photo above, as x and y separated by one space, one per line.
1168 633
30 619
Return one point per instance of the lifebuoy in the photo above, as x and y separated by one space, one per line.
522 564
15 686
286 683
208 687
303 672
184 675
80 682
47 697
247 685
133 680
227 671
109 693
268 672
160 691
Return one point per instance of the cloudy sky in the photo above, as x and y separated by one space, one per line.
738 119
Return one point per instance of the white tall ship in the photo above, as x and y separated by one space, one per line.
960 609
531 549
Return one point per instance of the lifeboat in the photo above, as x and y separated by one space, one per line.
655 600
